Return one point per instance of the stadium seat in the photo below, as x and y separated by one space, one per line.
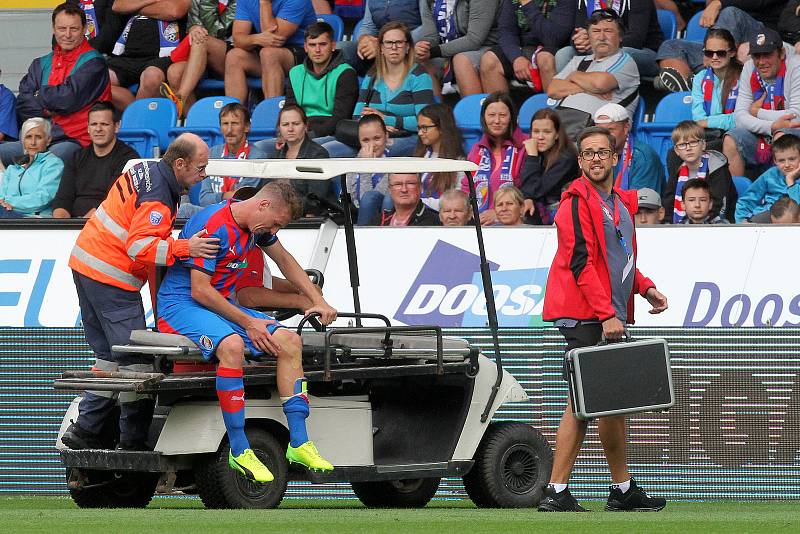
356 29
638 116
211 85
668 23
530 107
672 109
336 23
265 118
742 184
468 118
695 32
146 123
350 9
203 119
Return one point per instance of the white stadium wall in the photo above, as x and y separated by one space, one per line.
720 276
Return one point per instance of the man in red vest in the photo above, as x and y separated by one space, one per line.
62 86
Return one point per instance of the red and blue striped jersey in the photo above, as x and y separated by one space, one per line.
230 263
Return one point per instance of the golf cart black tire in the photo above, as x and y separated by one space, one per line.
412 493
219 486
491 483
125 490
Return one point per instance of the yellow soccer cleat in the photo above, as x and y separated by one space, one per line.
250 466
308 455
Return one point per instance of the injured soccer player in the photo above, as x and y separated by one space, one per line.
196 299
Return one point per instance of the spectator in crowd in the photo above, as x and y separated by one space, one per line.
716 87
454 209
103 26
29 185
257 287
789 23
640 34
638 165
323 85
499 153
650 210
608 74
697 203
768 102
268 40
234 123
784 211
296 144
62 86
551 164
397 91
370 191
590 295
91 171
509 205
672 6
698 162
439 137
679 58
530 32
141 55
365 47
782 179
455 34
210 24
8 115
408 209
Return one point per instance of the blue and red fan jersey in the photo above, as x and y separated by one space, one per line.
230 263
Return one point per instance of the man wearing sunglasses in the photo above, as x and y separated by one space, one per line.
590 292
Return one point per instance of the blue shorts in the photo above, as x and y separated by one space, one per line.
206 328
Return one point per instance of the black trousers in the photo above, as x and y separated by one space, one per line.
581 335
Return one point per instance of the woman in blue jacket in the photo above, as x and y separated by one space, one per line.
715 88
29 186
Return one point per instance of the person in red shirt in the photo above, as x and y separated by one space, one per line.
589 296
62 86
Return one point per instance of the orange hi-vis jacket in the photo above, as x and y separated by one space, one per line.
131 232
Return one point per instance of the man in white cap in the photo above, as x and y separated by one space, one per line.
638 165
650 210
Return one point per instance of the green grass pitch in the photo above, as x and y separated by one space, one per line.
59 515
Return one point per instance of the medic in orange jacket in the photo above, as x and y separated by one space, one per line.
131 231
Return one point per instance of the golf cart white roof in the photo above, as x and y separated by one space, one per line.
322 169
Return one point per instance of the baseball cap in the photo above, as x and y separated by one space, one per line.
649 199
765 42
611 113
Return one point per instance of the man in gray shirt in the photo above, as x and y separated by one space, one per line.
607 75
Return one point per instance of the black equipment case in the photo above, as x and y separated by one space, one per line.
620 378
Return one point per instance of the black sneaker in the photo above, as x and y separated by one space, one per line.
77 438
559 502
672 80
633 500
132 446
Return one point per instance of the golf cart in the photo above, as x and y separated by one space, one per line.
394 408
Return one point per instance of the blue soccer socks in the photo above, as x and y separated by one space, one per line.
230 391
296 410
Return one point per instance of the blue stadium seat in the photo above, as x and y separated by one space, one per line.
468 118
668 23
356 29
265 118
530 107
350 10
146 123
211 84
638 116
672 109
742 184
336 23
203 119
695 32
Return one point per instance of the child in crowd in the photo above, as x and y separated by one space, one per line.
754 205
697 162
697 203
439 137
370 191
